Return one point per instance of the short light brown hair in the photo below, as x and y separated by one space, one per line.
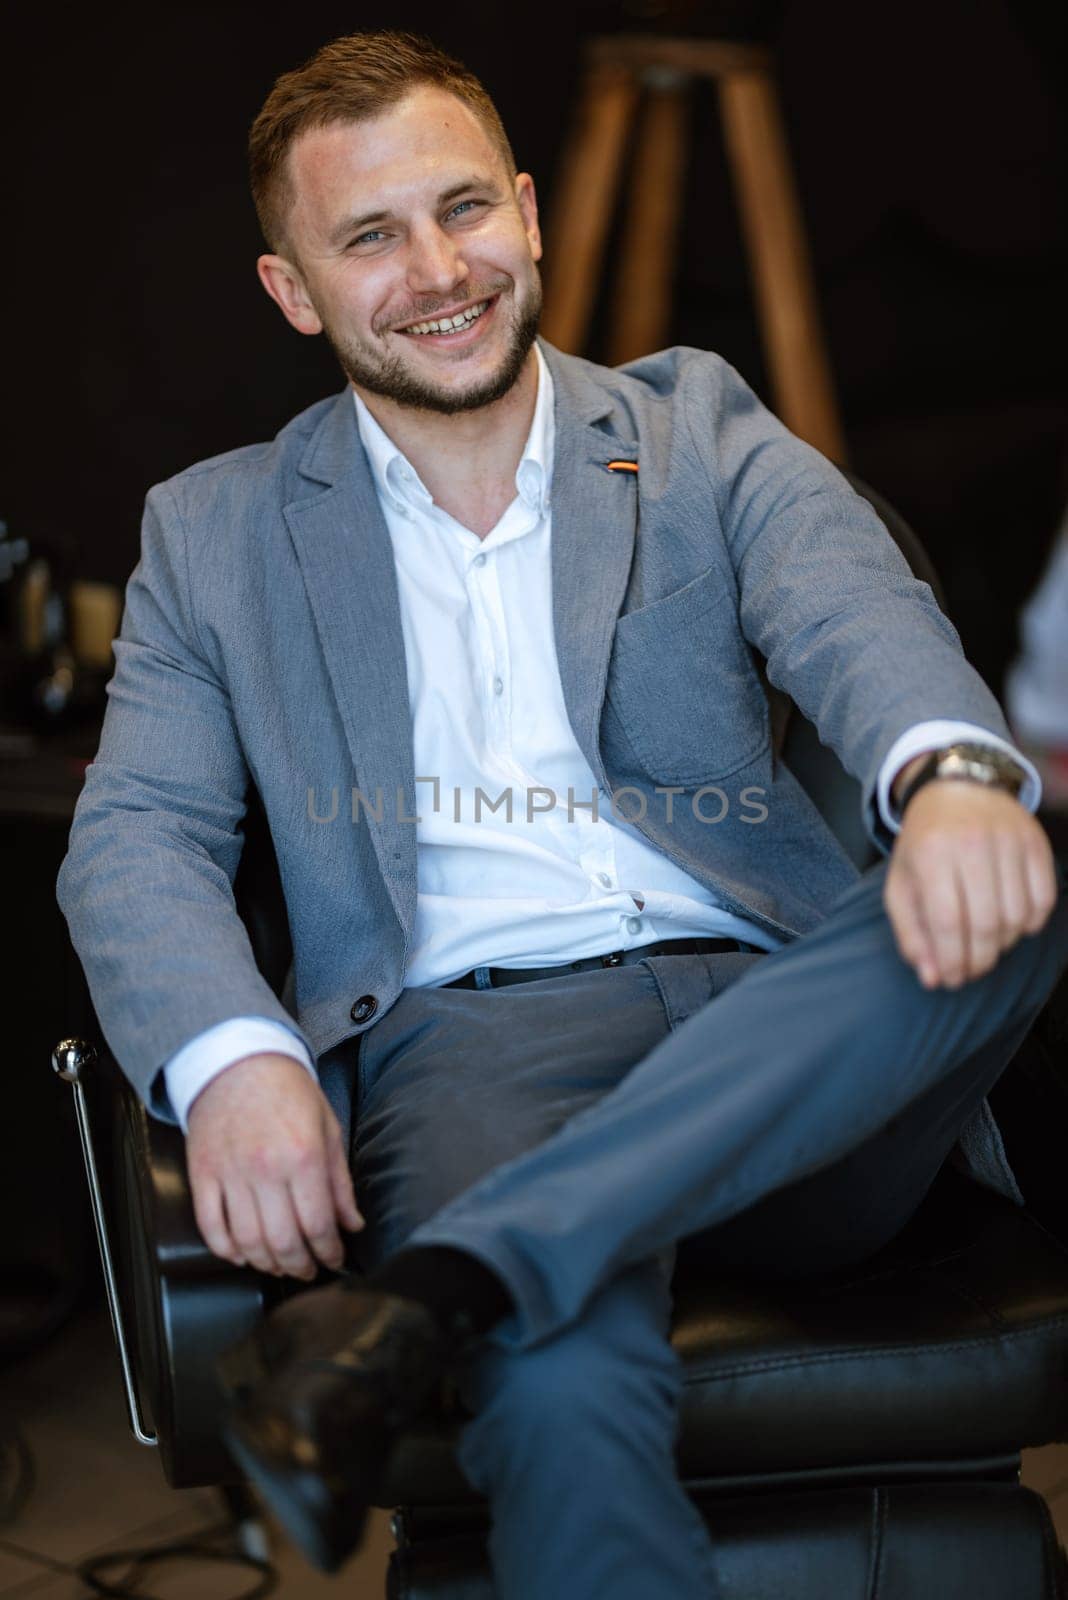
350 80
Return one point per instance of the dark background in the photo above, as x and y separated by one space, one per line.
930 148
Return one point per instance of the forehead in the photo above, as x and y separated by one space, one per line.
396 159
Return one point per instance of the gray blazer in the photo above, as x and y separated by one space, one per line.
262 639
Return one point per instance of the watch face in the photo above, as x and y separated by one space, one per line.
982 764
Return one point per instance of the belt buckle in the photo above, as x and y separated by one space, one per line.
613 960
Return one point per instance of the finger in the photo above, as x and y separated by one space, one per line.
1041 880
342 1188
246 1228
981 921
282 1231
944 915
904 910
211 1219
312 1199
1015 890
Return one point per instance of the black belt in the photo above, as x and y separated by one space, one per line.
501 976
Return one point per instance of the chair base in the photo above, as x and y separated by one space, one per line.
905 1541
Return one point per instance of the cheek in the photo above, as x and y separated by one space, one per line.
380 302
365 315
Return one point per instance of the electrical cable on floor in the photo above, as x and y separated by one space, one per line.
217 1543
221 1542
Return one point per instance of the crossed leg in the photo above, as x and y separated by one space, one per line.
815 1051
568 1134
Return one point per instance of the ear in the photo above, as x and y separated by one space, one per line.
527 202
284 284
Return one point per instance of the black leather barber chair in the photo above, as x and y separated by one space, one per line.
848 1437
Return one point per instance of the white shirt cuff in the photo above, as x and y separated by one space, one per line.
222 1046
933 736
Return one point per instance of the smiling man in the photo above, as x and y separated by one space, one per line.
549 1039
412 244
398 287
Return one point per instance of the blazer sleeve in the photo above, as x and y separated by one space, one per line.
147 882
858 643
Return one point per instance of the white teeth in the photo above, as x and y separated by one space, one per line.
449 324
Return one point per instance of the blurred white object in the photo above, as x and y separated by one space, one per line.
1036 686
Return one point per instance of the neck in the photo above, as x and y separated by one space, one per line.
468 460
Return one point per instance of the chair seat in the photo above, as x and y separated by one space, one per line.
944 1350
942 1353
959 1541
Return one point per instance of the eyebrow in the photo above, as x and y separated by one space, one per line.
353 224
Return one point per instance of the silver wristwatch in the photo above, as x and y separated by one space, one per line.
975 763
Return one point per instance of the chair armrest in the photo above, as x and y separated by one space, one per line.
153 1153
175 1306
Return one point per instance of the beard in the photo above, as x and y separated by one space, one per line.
390 376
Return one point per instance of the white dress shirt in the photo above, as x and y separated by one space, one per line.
552 883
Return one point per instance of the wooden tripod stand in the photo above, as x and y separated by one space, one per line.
618 70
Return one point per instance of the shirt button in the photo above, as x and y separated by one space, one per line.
364 1008
498 685
603 878
634 924
479 561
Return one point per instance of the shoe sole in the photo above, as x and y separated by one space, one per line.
301 1503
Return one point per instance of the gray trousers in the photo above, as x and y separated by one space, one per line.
787 1113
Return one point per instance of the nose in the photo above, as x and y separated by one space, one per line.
435 265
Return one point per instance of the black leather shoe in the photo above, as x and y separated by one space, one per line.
318 1394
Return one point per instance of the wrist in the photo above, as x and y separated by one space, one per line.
903 778
228 1080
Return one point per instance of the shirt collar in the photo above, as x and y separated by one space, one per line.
397 481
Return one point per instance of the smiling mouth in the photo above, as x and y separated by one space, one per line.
442 327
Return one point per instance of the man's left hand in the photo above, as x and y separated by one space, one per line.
970 873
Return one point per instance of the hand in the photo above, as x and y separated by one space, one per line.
268 1169
971 871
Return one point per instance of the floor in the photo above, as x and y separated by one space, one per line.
96 1490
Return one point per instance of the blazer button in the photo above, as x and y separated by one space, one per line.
363 1008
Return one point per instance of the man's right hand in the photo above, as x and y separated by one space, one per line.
268 1169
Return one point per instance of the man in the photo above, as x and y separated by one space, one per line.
509 588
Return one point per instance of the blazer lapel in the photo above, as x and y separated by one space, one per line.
346 557
595 516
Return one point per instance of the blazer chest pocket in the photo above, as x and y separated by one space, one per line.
683 684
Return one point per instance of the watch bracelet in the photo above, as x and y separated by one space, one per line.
991 779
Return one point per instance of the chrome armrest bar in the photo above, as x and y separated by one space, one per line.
71 1060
